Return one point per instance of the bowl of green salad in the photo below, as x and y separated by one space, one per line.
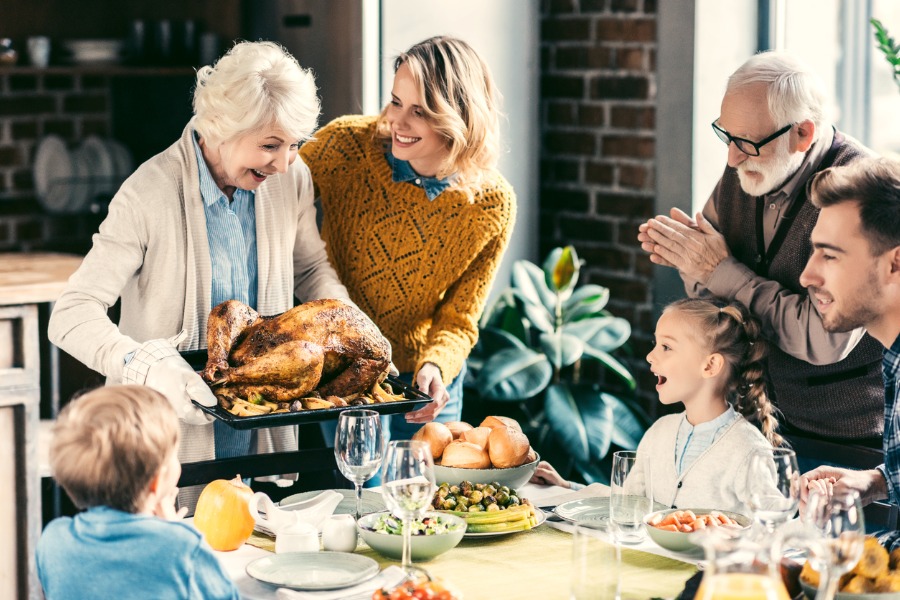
431 536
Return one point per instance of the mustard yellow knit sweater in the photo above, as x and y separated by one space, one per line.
420 269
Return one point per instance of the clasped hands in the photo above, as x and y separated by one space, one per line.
693 247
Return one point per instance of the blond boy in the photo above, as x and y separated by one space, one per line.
114 452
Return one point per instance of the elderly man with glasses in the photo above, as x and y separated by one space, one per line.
751 242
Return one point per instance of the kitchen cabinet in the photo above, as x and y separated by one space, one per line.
26 280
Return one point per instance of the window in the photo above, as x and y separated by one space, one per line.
833 36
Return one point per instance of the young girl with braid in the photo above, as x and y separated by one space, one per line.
708 356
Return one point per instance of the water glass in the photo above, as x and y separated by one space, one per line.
630 499
358 447
839 536
596 564
408 486
773 486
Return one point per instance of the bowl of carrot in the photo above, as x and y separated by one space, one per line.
672 528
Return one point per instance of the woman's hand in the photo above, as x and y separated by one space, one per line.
545 474
429 380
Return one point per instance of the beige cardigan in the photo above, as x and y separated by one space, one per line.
152 251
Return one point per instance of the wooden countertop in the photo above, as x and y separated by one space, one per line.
32 277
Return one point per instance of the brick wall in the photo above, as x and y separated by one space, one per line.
598 100
33 104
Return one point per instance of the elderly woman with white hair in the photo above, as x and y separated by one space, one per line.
226 212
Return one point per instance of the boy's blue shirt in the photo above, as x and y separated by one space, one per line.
107 553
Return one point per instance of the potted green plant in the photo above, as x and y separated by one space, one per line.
534 341
889 48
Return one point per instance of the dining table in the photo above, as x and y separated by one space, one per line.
530 564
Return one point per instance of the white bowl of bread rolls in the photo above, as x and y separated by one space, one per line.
495 451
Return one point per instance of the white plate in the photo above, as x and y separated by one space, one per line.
82 185
586 509
538 513
313 570
122 160
53 171
102 168
371 501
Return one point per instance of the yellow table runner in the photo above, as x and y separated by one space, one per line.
533 564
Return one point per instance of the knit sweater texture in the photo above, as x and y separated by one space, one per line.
420 269
717 479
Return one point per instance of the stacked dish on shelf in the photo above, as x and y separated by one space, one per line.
71 181
94 52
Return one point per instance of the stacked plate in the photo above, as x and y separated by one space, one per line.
70 181
94 51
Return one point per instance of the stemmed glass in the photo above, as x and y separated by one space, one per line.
773 486
408 485
358 447
839 532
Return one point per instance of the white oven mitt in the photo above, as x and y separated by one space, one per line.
157 364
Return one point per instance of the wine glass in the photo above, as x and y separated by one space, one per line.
358 447
773 486
839 536
408 485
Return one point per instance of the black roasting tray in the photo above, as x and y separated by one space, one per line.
415 400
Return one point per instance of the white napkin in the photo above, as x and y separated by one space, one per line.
388 578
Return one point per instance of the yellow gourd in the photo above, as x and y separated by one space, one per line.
222 515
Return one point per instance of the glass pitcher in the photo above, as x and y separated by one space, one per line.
741 567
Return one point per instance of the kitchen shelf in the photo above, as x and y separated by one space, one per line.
114 70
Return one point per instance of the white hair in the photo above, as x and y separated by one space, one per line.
254 86
795 93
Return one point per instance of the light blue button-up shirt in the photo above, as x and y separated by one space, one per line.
231 231
401 170
693 440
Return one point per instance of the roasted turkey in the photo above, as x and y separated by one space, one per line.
323 345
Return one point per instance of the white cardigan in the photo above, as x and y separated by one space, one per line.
152 251
715 480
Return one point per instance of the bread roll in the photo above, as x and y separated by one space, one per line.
436 435
477 435
507 447
465 455
531 456
457 427
493 422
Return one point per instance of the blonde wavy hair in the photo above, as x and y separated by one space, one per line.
110 443
256 85
460 102
729 329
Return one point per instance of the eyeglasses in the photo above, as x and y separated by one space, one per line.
744 145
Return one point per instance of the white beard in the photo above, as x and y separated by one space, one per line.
775 170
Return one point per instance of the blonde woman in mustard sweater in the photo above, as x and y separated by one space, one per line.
416 216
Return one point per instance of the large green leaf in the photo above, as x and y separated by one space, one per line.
585 301
612 364
514 374
494 339
629 429
529 281
561 271
581 419
565 420
561 349
600 333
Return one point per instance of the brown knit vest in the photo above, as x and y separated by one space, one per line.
841 400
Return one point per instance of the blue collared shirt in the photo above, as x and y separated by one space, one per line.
891 467
402 171
231 231
693 440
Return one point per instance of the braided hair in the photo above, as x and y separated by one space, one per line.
730 330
